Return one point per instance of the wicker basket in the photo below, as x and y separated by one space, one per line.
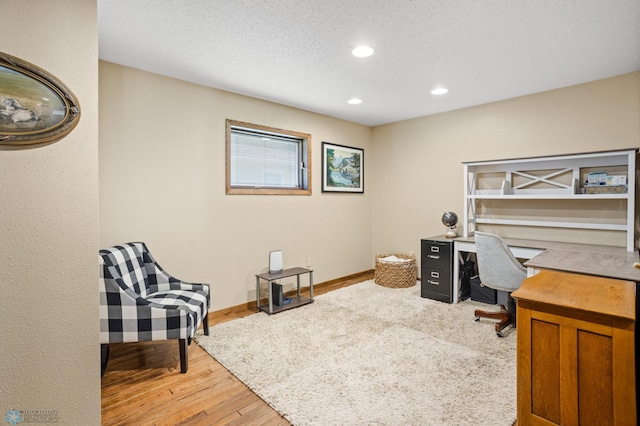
395 274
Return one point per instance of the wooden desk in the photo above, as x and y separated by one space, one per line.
576 351
594 260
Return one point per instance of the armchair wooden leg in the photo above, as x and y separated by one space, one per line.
104 357
205 324
184 355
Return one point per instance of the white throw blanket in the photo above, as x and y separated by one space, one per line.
394 258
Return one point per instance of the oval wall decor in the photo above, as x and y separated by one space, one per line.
35 107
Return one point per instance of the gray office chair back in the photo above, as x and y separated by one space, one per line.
497 266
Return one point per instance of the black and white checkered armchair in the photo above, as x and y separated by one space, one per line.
139 302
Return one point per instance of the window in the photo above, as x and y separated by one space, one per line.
264 160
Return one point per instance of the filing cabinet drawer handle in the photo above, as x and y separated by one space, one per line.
430 256
433 282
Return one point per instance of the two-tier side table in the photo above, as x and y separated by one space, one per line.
298 300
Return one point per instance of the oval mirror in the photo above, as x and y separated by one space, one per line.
35 107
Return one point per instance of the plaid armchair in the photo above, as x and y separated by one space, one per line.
139 302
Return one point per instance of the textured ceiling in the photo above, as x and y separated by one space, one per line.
298 52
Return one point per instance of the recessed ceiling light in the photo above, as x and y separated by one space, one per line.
355 101
362 51
439 91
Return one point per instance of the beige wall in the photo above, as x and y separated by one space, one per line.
162 181
49 352
162 173
417 170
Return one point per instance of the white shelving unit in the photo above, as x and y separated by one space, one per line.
552 178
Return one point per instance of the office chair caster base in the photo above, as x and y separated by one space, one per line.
503 316
506 322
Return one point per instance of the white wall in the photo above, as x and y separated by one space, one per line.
417 164
162 181
49 350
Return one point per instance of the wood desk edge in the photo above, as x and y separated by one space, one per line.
580 292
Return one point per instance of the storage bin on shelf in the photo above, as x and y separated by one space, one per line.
396 273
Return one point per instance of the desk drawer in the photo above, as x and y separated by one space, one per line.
436 254
436 282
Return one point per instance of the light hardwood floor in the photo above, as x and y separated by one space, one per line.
143 384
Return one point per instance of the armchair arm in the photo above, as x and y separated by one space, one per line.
134 319
172 283
160 280
175 285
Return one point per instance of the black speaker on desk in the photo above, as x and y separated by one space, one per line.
276 292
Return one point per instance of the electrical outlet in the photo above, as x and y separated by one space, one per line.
308 261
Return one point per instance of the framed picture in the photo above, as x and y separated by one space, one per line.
35 107
342 168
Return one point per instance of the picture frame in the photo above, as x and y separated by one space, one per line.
342 168
35 107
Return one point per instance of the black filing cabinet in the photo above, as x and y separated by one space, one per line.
437 268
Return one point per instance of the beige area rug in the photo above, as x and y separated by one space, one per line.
371 355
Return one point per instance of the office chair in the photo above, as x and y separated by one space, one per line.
501 271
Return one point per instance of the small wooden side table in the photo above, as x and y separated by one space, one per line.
575 350
298 300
